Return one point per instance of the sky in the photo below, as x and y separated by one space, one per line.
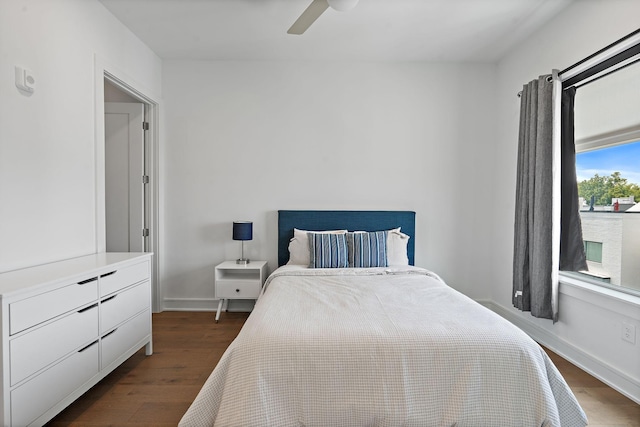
621 158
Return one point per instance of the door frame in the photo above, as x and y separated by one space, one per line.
105 71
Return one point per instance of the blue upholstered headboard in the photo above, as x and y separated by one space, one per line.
343 220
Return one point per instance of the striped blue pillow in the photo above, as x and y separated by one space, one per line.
327 250
367 249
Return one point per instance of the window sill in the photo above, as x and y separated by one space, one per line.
575 287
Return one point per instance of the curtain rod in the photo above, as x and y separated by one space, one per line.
584 83
602 66
619 51
604 49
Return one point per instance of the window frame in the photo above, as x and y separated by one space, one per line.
617 55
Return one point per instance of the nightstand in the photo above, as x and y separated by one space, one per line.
238 281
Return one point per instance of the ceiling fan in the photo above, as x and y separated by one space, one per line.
315 9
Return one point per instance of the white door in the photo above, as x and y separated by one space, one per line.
124 170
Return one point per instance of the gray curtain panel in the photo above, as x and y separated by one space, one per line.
532 262
572 257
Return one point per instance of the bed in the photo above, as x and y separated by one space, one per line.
376 345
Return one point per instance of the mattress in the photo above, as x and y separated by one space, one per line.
379 347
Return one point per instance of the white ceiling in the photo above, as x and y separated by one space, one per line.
375 30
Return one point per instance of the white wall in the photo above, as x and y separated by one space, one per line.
245 139
589 329
47 139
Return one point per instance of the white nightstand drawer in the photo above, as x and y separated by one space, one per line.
238 281
238 289
40 308
42 346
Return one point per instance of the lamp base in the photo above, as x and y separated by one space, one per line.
243 261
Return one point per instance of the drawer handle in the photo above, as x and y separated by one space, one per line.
238 290
84 282
106 335
108 299
88 308
86 347
108 274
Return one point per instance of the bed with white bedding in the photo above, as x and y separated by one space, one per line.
379 346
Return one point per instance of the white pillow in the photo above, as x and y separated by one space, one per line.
396 247
299 246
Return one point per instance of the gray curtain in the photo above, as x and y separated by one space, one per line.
572 257
533 285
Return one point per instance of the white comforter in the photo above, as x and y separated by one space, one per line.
379 347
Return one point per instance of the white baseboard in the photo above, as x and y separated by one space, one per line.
204 304
612 377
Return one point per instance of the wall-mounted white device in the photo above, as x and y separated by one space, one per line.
25 80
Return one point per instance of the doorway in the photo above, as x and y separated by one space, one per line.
125 176
129 210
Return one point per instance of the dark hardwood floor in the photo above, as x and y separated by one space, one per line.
157 390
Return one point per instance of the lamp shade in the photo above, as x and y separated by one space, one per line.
242 230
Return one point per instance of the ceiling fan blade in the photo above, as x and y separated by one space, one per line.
309 16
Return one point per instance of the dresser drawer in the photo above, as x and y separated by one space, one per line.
35 397
122 339
119 307
42 346
115 280
238 289
40 308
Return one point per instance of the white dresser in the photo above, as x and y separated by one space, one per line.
65 326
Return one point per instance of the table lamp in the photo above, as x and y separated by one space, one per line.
242 230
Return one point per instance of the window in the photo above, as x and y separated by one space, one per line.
607 133
593 251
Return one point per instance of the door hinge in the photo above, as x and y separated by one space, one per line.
145 232
145 179
145 125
